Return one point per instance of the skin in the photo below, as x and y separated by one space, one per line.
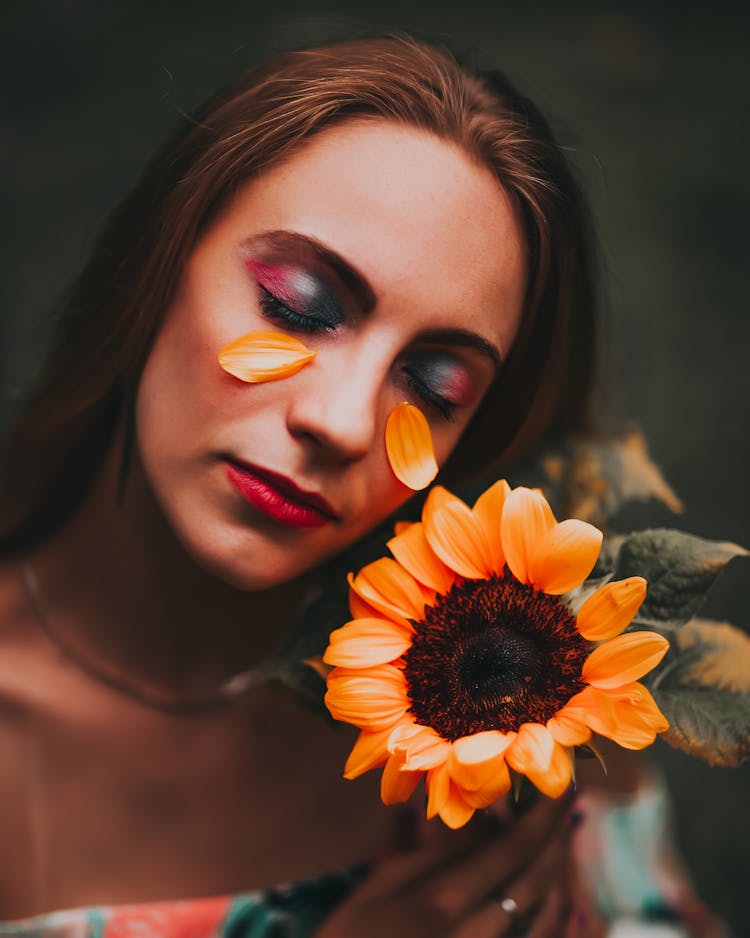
103 800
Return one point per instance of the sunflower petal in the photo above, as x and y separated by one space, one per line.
455 812
455 534
477 759
628 715
532 749
362 610
422 747
611 608
438 784
372 699
366 642
556 778
624 659
368 752
564 557
526 518
488 508
411 550
386 586
568 727
264 356
408 442
396 784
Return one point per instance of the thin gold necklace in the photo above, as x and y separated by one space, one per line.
152 697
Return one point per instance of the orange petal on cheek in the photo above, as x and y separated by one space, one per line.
624 659
397 784
527 517
411 550
611 608
455 534
264 356
564 557
408 443
489 509
366 642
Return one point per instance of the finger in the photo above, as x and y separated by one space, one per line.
500 916
553 915
470 880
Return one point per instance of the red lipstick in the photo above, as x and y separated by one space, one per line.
279 497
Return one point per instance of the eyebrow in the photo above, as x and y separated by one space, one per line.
352 278
366 297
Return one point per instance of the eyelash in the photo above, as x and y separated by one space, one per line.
275 309
444 407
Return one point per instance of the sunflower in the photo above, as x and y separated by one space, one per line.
467 661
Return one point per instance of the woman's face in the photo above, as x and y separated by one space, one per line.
401 263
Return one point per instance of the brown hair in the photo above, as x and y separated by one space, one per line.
106 324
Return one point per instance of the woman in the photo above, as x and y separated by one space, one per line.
165 524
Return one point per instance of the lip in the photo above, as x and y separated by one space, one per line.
279 497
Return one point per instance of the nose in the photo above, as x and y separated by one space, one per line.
337 410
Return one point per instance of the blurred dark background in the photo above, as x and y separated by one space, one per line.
652 102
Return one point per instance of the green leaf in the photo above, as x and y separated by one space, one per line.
679 568
703 689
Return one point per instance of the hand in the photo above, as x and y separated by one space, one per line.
455 885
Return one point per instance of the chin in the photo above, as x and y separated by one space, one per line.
245 559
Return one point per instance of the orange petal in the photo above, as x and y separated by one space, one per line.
456 811
455 534
624 659
556 778
628 715
367 753
371 699
362 610
422 747
396 784
438 784
532 749
366 642
476 759
264 356
408 442
386 586
611 608
564 556
488 508
568 727
411 550
527 517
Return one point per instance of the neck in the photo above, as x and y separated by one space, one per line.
119 588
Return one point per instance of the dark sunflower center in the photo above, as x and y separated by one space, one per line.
494 663
491 655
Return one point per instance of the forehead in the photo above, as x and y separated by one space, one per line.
431 230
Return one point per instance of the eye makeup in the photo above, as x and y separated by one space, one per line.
292 294
440 379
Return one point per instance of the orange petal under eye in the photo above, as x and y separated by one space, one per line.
408 442
264 356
